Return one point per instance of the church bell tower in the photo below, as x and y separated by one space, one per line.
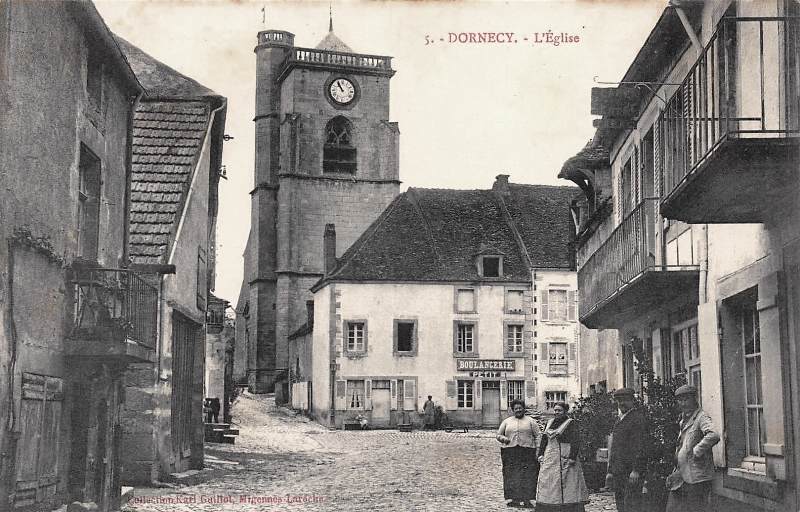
326 153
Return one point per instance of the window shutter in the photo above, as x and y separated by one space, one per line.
658 170
543 306
393 385
530 393
637 169
367 394
544 359
341 395
572 306
618 203
503 394
573 358
451 401
476 390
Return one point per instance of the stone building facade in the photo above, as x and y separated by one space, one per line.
72 316
688 232
465 295
178 130
326 152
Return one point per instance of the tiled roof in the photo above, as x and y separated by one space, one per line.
167 139
160 80
436 235
592 156
169 127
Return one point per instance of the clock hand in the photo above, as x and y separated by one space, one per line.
339 84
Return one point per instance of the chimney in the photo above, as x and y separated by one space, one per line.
501 184
310 312
329 248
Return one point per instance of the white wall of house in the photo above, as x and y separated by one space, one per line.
432 362
557 334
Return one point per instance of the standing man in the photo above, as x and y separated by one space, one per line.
429 410
690 483
627 460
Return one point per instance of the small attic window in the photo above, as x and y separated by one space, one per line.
492 266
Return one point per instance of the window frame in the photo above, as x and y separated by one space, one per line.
346 324
550 403
506 309
468 401
334 122
507 325
550 309
551 352
456 290
90 198
462 353
481 260
751 309
347 398
510 397
414 338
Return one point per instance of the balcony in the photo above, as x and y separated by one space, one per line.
622 279
336 61
731 130
114 316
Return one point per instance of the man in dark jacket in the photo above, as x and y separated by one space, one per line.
627 461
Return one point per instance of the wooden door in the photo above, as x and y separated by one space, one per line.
184 336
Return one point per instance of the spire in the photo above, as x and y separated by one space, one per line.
331 42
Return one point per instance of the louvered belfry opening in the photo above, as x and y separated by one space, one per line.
339 153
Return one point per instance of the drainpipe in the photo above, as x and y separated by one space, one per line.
128 177
703 257
676 4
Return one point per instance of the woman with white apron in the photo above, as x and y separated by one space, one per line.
561 486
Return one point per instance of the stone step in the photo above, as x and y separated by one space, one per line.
226 439
126 495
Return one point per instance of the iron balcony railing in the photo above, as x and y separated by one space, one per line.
353 60
627 253
744 85
117 300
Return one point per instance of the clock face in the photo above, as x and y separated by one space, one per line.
342 91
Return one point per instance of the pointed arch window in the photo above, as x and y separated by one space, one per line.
339 153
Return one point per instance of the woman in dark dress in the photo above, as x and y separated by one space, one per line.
561 485
519 435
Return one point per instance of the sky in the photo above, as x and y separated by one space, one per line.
467 111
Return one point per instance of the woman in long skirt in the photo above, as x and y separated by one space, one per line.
519 435
561 485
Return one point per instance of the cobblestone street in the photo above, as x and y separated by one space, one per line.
282 462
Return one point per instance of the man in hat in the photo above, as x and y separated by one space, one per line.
627 460
690 483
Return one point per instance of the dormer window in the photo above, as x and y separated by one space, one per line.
339 152
492 266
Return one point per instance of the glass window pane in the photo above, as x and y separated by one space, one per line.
753 432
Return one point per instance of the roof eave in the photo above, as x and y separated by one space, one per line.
87 15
